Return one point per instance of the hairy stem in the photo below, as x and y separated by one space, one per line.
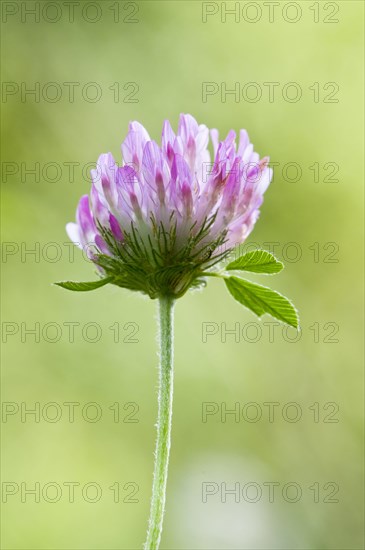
162 452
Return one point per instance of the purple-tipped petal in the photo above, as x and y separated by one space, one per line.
167 139
187 200
99 206
85 222
244 142
133 196
188 127
115 228
101 244
133 145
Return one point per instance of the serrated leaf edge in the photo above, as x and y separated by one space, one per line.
298 328
282 265
98 284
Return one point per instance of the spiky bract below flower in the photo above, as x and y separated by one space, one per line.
168 213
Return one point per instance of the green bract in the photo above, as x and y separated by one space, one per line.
162 272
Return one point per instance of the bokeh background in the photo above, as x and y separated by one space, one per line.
158 55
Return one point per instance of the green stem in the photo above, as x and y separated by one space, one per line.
212 274
165 393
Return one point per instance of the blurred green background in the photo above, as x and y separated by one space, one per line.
167 53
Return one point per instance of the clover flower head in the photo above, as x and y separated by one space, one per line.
168 213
